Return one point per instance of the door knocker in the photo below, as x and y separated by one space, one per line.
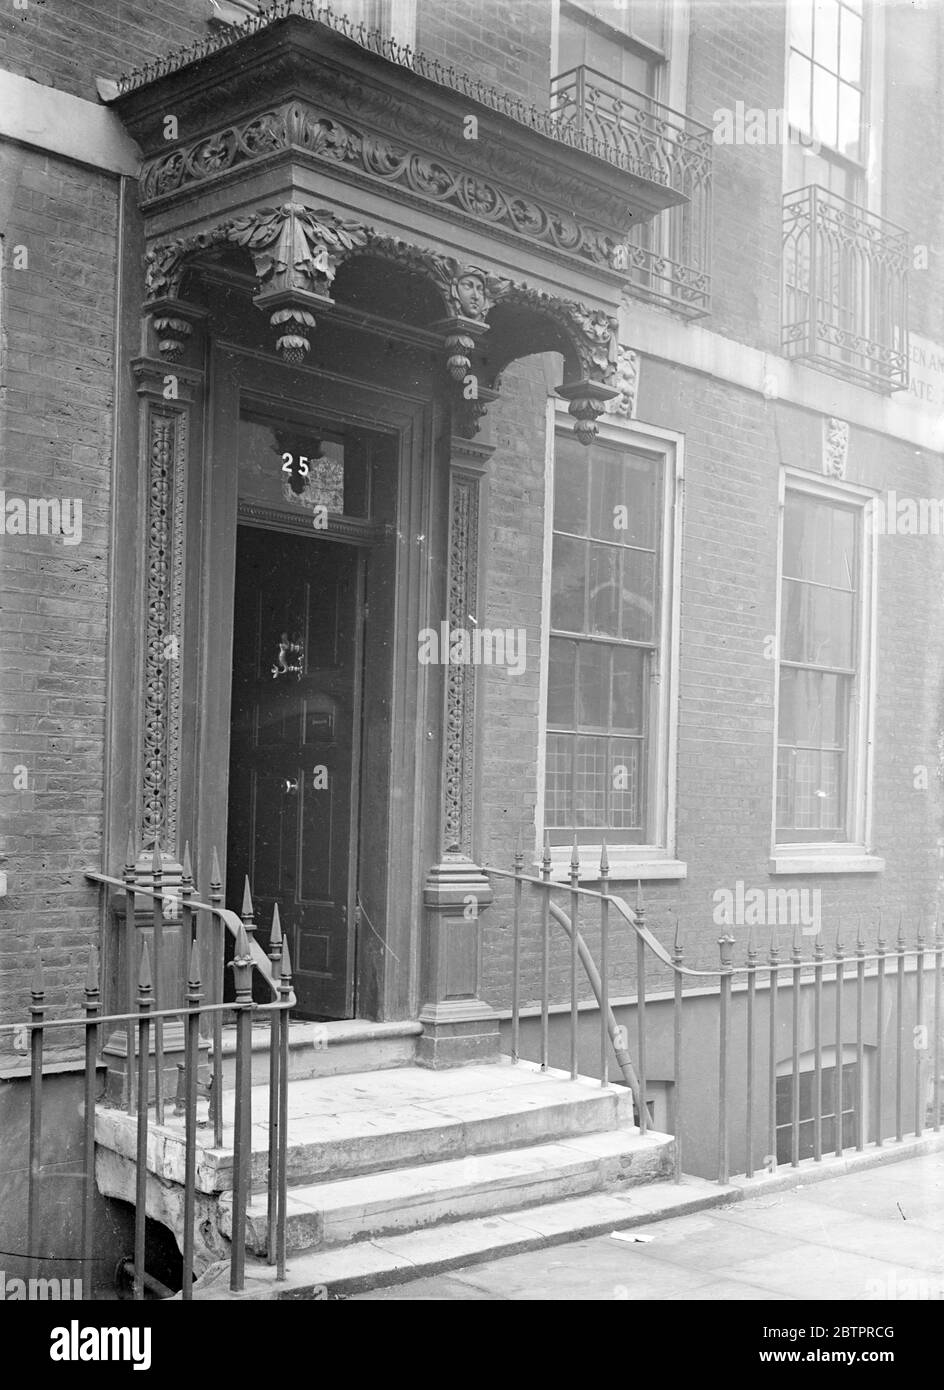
289 660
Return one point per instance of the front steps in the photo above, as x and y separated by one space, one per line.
390 1171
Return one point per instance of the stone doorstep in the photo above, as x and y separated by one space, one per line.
396 1259
340 1046
354 1124
335 1213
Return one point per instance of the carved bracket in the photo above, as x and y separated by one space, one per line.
296 252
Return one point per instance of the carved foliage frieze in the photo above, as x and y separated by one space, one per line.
299 126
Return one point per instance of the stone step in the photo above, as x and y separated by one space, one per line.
327 1049
417 1196
358 1123
394 1259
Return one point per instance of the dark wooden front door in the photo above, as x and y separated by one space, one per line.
293 752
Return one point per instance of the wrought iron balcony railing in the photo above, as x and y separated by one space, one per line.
845 289
667 259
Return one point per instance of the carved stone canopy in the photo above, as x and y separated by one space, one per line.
302 148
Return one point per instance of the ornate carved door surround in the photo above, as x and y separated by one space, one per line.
298 147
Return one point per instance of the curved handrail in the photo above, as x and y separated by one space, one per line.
230 920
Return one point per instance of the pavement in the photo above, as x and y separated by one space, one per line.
877 1234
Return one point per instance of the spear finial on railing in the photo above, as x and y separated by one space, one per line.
186 874
131 856
575 864
145 984
92 976
157 863
275 941
193 975
880 938
242 966
839 936
519 853
795 949
247 914
37 983
677 944
900 944
604 863
774 943
860 944
285 970
751 946
216 878
546 857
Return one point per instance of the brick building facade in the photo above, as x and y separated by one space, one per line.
749 355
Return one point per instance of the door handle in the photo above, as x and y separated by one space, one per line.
289 785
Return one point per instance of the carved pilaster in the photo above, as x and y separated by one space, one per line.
461 612
458 1027
165 425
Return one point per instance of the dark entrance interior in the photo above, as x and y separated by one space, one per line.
294 752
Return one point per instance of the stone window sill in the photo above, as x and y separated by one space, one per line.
797 860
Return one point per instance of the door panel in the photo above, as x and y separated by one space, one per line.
293 764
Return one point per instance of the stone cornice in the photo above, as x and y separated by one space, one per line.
331 99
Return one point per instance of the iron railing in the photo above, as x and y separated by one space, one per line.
145 1011
666 259
845 289
903 983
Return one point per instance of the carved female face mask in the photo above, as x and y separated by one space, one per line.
470 292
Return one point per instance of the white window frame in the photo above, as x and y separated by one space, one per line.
856 854
632 861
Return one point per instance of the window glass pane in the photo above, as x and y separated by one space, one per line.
570 492
604 590
825 106
637 485
561 681
570 44
799 92
590 782
784 1106
558 781
568 579
819 542
817 625
646 21
801 25
593 685
629 669
850 107
626 789
850 50
638 596
826 33
809 790
812 707
607 492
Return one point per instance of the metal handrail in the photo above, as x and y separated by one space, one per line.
230 919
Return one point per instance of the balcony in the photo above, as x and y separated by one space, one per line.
667 259
845 289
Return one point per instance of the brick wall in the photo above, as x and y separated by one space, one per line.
738 54
56 415
506 45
